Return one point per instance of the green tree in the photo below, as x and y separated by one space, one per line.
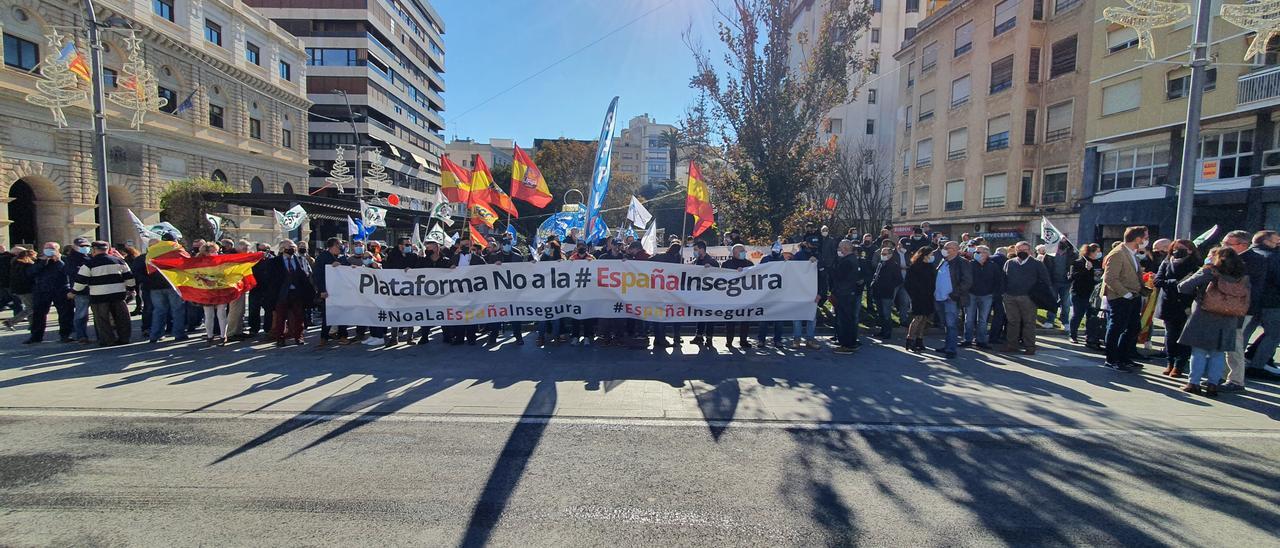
183 204
770 113
673 140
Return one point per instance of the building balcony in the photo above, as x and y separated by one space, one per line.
920 209
1259 85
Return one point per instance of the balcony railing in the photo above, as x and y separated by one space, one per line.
997 201
959 101
1258 86
922 162
998 141
953 206
920 209
1057 135
957 155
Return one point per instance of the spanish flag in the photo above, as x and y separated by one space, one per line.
698 202
75 61
211 280
482 214
526 181
455 182
484 191
477 238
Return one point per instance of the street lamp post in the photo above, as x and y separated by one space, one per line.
99 123
351 119
1191 135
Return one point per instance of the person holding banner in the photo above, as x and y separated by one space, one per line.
738 261
333 254
673 255
583 330
775 254
288 279
705 330
506 254
215 315
466 257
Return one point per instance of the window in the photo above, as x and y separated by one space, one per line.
906 160
286 138
871 96
252 53
835 126
1006 12
911 74
922 200
1058 124
255 128
1134 167
1180 86
110 77
873 66
908 115
1024 194
955 196
924 152
286 72
998 132
964 38
20 54
1033 66
1029 127
909 33
1002 75
913 6
1121 39
1062 57
215 116
163 8
926 105
875 36
256 187
994 188
171 100
1121 97
218 175
902 202
1060 6
871 126
1232 151
929 57
958 143
960 91
1053 186
334 57
1037 10
213 32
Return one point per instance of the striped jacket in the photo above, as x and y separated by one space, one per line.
105 277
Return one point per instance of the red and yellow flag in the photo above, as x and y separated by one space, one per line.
485 191
526 181
162 248
208 280
482 214
75 61
698 202
455 182
477 238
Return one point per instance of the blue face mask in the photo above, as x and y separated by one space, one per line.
50 252
1208 260
506 247
84 250
358 250
368 261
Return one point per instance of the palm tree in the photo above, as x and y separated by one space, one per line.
674 140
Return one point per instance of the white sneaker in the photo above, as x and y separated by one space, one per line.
374 341
1047 325
1271 369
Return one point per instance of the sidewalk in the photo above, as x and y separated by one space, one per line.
1061 386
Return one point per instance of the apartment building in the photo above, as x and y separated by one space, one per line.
640 150
495 152
990 134
386 57
869 119
1136 119
245 125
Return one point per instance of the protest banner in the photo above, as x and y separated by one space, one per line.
754 252
643 290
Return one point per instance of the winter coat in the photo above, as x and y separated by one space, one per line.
1085 274
920 281
887 280
1174 305
1206 330
20 282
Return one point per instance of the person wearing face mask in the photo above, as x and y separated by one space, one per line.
920 280
1085 274
999 320
261 302
775 254
1059 267
1175 307
1159 252
703 331
804 332
466 257
1122 287
673 255
611 329
885 285
20 284
505 254
1267 244
583 330
1256 259
289 281
1021 273
951 291
334 253
737 261
75 258
846 294
987 278
49 290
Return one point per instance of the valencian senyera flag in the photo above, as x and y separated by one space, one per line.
208 280
484 191
75 61
455 182
698 202
526 180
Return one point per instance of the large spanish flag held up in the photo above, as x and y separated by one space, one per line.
455 182
698 202
485 191
209 280
526 180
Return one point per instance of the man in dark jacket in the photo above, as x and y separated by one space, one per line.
951 292
846 295
1058 267
71 266
288 281
703 330
775 254
50 287
465 258
334 253
107 281
673 255
504 254
7 298
987 278
262 303
885 286
737 261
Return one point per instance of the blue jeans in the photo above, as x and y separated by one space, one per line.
777 332
886 316
975 318
1063 291
1270 320
1122 328
167 305
950 311
1209 364
81 323
806 328
1092 324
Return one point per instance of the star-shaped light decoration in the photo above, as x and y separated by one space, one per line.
55 40
1144 15
1262 18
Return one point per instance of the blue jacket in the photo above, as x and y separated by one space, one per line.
71 264
49 277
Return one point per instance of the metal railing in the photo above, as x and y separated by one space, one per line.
953 206
920 208
998 141
1057 135
957 102
957 154
997 201
1258 86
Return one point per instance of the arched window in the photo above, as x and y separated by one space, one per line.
255 187
218 175
287 189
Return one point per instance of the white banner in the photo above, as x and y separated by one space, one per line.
643 290
755 253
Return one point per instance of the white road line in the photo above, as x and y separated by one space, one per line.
870 428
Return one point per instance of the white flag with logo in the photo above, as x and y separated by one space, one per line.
1051 236
442 210
373 215
292 219
215 222
637 214
438 235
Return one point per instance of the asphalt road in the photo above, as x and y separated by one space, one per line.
86 478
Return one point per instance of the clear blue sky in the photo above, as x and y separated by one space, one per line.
492 44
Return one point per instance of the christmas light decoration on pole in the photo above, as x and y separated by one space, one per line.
58 87
339 174
143 95
377 173
1144 15
1262 18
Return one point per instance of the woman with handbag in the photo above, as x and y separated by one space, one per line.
1221 290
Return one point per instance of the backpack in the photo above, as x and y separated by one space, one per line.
1227 298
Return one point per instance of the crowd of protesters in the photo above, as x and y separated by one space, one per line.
1211 298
